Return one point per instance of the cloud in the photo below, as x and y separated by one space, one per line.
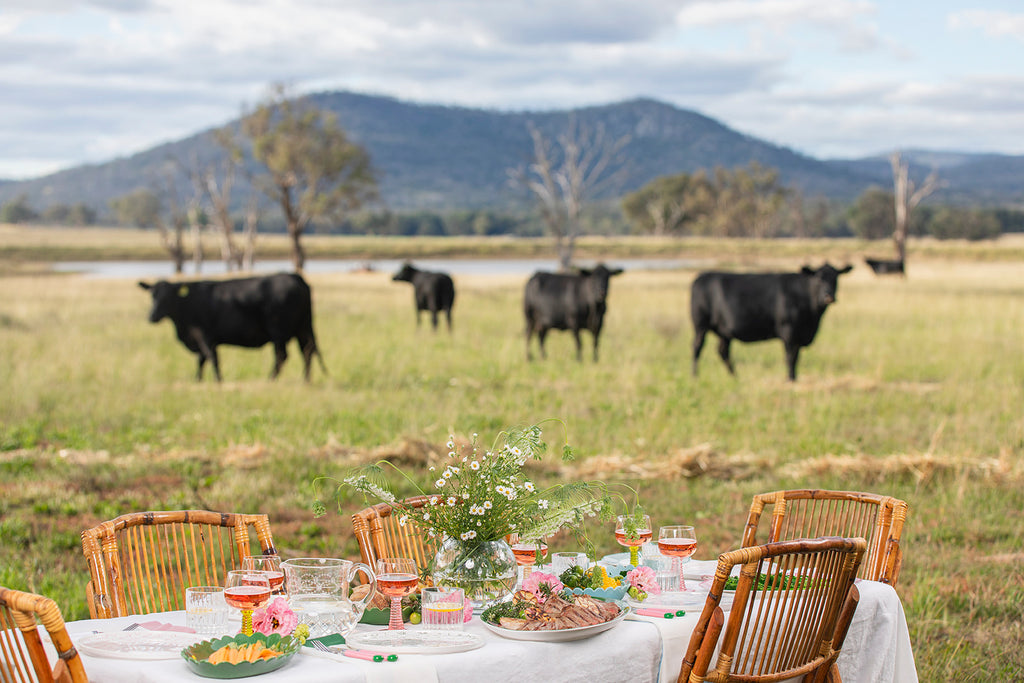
993 23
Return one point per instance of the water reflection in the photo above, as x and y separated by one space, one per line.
164 269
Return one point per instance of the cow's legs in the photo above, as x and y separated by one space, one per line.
723 351
579 345
433 318
448 315
280 356
698 345
199 369
792 353
542 334
597 336
206 352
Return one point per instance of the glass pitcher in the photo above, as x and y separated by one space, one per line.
318 592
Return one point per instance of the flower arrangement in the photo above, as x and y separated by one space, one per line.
642 581
278 617
482 495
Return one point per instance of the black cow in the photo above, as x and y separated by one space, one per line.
432 292
754 307
566 302
245 312
885 266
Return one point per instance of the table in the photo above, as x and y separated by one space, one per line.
877 649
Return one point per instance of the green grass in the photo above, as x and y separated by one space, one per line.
912 388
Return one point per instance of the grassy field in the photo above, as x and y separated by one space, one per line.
913 387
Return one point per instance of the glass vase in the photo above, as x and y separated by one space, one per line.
485 570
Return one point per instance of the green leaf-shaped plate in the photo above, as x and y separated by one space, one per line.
380 617
196 656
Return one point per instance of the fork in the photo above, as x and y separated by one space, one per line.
130 627
351 652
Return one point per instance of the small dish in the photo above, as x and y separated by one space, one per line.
197 656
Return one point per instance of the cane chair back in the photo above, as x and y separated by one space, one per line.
809 513
143 561
22 655
791 626
380 534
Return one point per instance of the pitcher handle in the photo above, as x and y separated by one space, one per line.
365 568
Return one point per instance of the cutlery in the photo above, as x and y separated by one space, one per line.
354 653
660 613
130 627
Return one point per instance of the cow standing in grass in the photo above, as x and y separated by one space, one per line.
754 307
434 292
566 302
245 312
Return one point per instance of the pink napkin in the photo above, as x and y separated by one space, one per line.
160 626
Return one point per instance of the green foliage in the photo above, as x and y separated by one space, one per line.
956 223
140 208
872 216
743 202
17 210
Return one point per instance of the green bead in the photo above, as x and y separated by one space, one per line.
392 658
378 658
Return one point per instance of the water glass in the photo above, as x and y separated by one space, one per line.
668 579
205 610
442 608
562 561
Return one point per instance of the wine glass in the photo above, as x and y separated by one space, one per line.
633 531
397 577
271 566
678 542
246 590
526 554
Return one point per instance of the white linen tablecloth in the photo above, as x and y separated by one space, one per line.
640 649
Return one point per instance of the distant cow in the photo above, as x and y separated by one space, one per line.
566 302
245 312
758 306
885 267
432 292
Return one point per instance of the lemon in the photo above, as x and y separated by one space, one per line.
415 618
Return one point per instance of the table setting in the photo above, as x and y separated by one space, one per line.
505 596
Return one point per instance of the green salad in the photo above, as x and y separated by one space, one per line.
769 581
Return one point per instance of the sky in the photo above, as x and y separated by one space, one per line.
93 80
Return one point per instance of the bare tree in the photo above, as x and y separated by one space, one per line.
907 197
252 220
172 231
565 174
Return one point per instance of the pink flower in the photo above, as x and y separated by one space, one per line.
535 580
277 617
467 611
644 579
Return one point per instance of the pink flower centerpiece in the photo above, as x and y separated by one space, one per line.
277 617
542 585
642 582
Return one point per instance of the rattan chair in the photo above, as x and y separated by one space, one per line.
22 655
143 561
794 626
380 535
808 513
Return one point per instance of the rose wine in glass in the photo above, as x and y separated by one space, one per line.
246 590
271 566
526 554
678 542
396 578
633 531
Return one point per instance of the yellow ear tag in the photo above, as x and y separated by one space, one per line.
183 291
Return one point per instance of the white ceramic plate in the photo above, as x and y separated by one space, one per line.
415 641
562 635
139 644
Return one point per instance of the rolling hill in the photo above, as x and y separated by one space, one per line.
433 157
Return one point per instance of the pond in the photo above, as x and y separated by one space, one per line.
160 269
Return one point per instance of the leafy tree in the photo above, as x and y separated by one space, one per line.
17 211
313 170
140 208
748 201
871 216
669 205
951 222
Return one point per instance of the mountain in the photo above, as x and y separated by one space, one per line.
433 157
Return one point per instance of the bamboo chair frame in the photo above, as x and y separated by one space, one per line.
781 631
811 513
379 534
22 655
143 561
